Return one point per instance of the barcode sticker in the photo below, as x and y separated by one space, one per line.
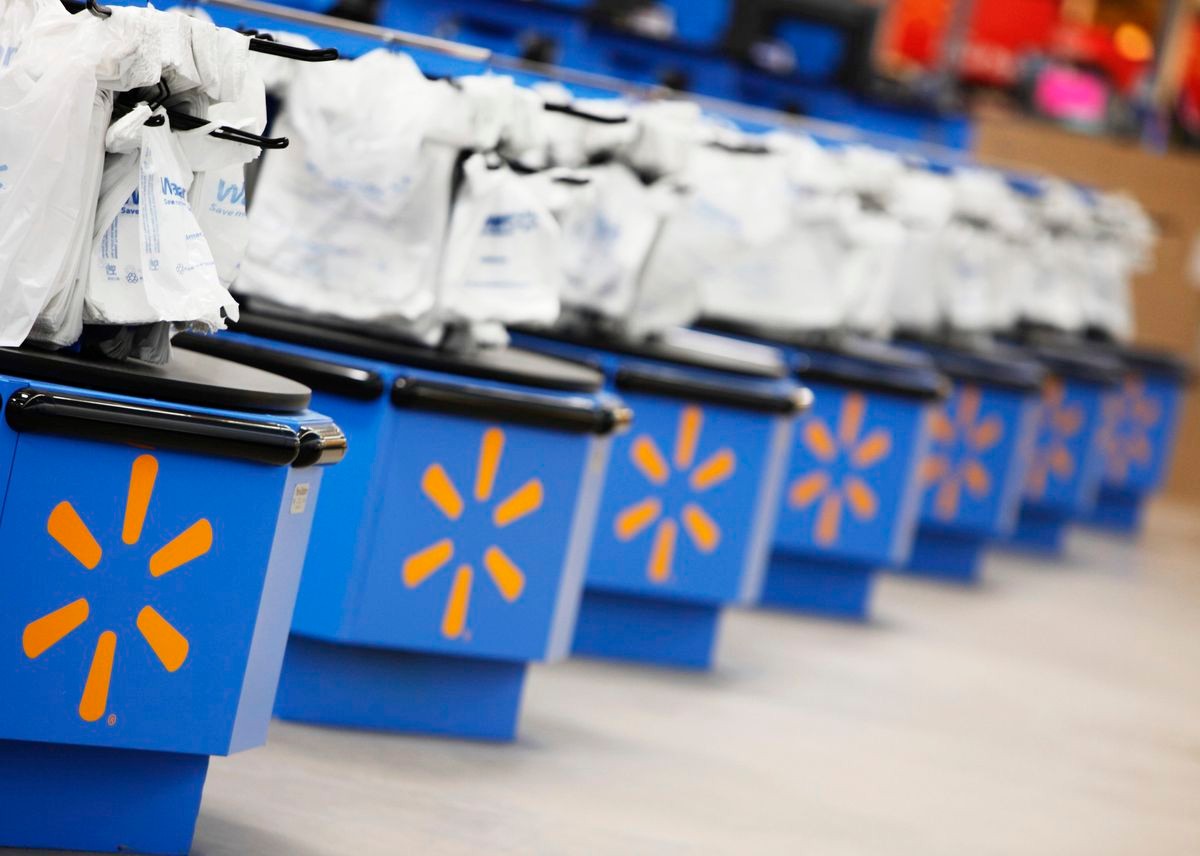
300 498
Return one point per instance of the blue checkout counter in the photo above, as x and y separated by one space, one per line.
156 522
852 492
1067 465
1141 421
689 505
450 550
981 444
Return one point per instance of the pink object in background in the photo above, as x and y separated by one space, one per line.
1071 95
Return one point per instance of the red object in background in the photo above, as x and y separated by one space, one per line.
1015 27
916 27
1002 34
1189 89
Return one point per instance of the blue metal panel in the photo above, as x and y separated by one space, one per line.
390 690
146 609
341 540
692 490
1140 422
499 25
271 627
701 22
650 62
828 588
833 104
947 554
671 632
686 517
678 518
1039 530
382 510
852 489
199 617
64 797
981 444
1118 511
1068 464
497 590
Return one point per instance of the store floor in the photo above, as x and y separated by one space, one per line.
1055 710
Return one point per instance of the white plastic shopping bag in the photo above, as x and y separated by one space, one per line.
668 291
218 193
16 17
666 134
605 244
768 244
1059 249
152 262
866 270
60 322
501 260
43 173
1122 244
1016 268
873 238
923 202
973 247
350 218
180 272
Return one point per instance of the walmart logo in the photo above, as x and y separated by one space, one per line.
170 188
841 457
1129 419
1060 424
505 574
701 529
69 530
231 193
960 439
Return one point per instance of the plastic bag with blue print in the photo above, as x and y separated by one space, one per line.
47 102
500 261
349 220
151 262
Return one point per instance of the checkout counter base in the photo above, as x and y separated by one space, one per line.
382 689
818 587
655 631
1039 531
1118 511
60 796
946 556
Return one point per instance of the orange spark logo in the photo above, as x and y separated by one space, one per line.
168 644
1060 423
843 456
1129 419
701 529
504 573
960 439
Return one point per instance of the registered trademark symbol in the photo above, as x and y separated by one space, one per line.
112 719
466 635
